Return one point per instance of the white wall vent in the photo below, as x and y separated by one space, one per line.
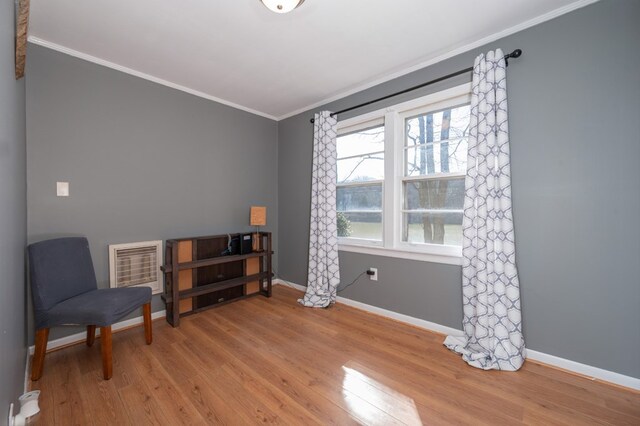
136 264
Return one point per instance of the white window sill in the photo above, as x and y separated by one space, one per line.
402 254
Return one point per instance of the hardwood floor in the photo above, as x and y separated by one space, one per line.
265 360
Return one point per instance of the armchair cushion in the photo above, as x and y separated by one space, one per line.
97 307
59 270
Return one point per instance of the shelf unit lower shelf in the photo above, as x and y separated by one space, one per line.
198 276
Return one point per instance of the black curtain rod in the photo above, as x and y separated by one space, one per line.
515 54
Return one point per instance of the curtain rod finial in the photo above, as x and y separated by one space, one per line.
515 54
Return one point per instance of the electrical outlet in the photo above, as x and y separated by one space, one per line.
374 276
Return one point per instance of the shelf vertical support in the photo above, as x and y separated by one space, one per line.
269 268
175 289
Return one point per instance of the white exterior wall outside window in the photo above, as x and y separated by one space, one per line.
401 178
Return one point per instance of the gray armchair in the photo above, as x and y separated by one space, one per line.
65 292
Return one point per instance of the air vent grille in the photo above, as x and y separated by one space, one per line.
136 264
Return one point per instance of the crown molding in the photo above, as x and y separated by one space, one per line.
457 51
89 58
387 77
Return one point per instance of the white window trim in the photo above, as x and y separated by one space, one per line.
393 117
410 254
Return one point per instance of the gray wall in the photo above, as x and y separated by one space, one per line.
144 161
13 211
574 100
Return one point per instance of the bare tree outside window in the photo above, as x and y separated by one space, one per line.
435 162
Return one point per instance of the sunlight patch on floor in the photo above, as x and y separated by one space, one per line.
369 400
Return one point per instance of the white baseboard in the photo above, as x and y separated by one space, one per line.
80 337
280 281
594 373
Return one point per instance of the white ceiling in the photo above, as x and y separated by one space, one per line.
241 54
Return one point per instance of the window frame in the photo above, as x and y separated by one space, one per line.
393 118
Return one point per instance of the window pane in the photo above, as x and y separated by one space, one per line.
360 211
358 198
450 123
433 228
440 157
361 169
360 225
436 142
361 142
434 194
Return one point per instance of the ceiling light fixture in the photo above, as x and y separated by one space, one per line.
282 6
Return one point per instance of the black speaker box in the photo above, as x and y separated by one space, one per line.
234 246
246 244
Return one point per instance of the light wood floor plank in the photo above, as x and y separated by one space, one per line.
584 404
272 361
102 400
315 369
176 408
269 369
142 405
69 406
308 375
212 408
353 347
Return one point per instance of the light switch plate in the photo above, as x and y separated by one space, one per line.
62 189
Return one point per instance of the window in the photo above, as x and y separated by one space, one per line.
360 180
401 171
435 160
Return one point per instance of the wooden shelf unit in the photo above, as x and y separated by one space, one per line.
198 276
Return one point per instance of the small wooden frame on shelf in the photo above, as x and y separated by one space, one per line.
198 275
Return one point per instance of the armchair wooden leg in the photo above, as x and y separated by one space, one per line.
105 342
146 312
91 335
42 336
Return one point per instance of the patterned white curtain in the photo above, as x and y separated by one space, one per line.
491 292
323 275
